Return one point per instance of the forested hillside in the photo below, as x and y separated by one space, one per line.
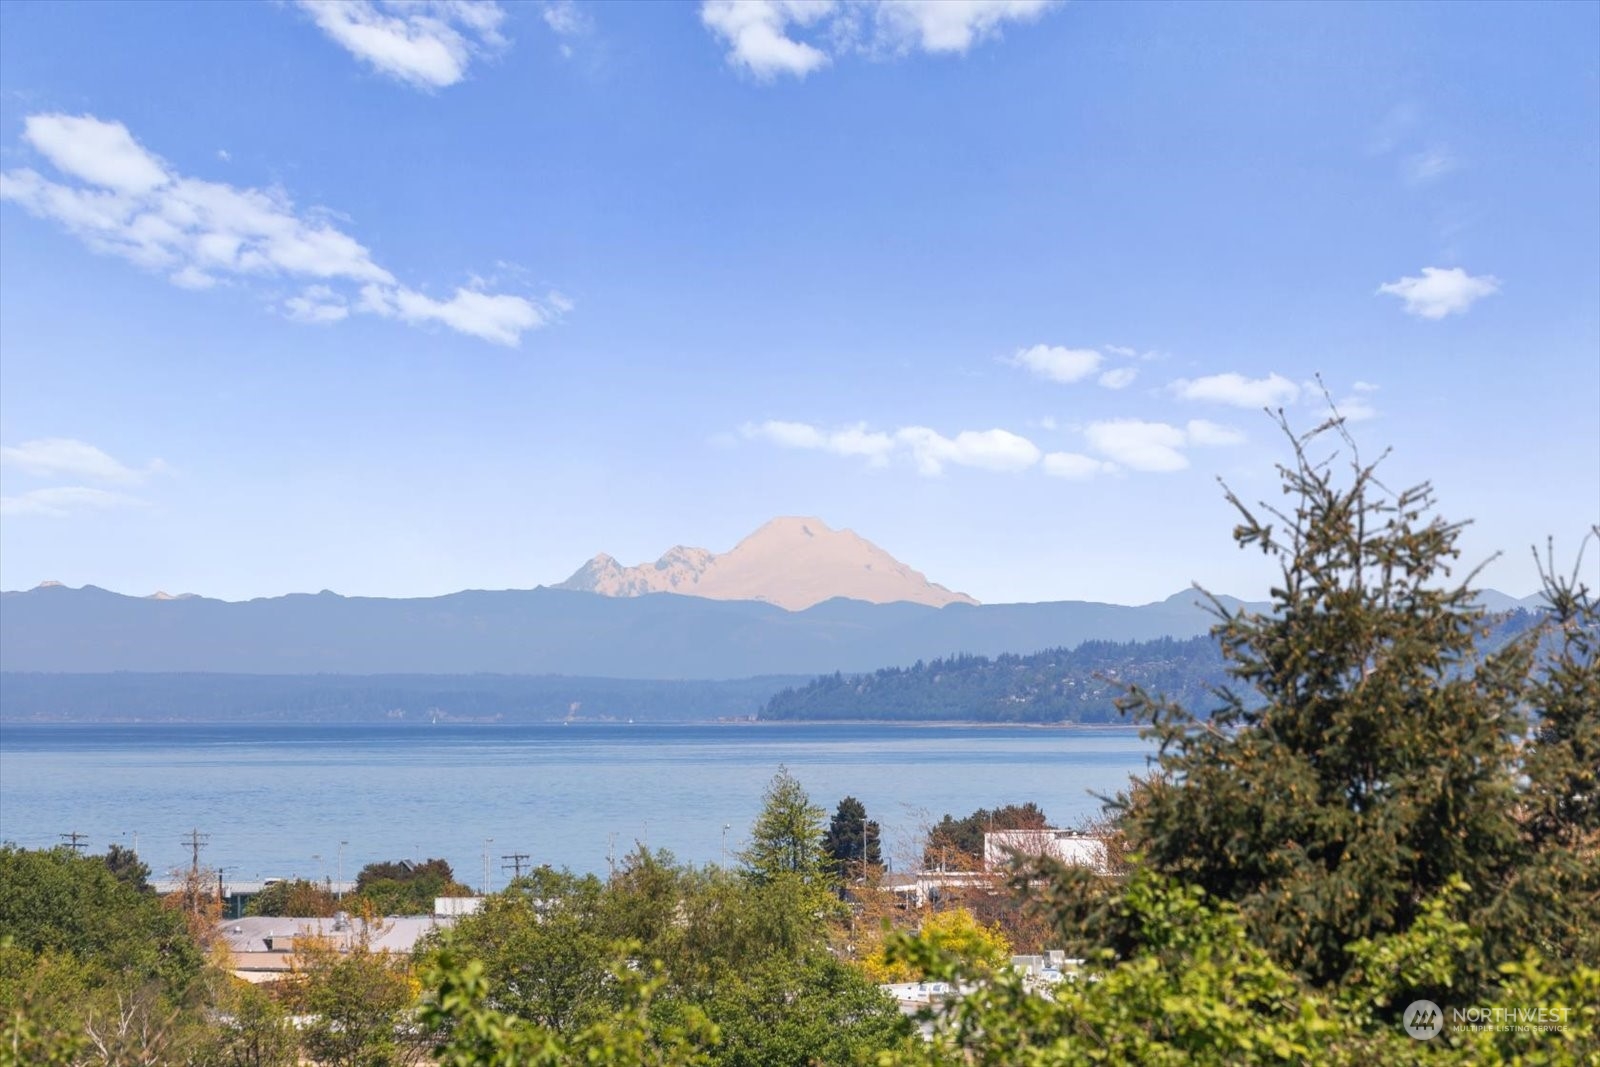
1058 685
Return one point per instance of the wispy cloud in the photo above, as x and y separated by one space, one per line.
1139 445
850 441
567 21
1394 128
66 457
1438 292
428 44
69 458
1118 377
1130 443
62 501
1237 390
1056 363
767 38
317 304
1076 467
995 450
122 200
1156 446
1429 165
928 450
1206 433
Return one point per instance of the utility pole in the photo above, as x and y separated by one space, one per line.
196 841
75 841
725 828
340 895
515 863
488 886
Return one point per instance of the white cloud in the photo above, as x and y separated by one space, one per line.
1119 377
757 34
317 304
65 457
1058 364
1131 443
929 450
100 153
995 450
425 43
1143 446
498 318
1238 390
127 203
1202 432
1122 350
223 154
1364 387
564 18
64 500
1439 292
1357 407
852 441
947 25
1075 467
765 36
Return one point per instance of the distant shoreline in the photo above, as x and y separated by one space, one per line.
289 723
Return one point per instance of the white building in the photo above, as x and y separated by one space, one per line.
1068 846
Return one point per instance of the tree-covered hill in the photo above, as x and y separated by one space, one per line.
1057 685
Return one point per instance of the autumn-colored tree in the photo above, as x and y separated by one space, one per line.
356 1002
980 950
296 897
957 844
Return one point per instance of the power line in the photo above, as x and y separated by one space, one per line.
196 841
515 863
75 841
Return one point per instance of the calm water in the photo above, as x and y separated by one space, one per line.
275 798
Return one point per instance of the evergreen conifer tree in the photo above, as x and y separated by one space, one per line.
1375 760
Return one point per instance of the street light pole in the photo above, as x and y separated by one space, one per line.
340 895
724 861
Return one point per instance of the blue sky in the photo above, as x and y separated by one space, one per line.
399 300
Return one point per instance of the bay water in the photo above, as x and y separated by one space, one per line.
276 801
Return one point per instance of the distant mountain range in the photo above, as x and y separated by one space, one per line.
542 631
794 563
793 598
